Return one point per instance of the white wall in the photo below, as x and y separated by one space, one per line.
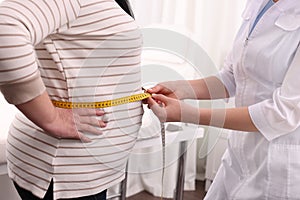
212 23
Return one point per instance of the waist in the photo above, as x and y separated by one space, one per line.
102 104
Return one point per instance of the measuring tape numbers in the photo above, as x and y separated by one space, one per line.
102 104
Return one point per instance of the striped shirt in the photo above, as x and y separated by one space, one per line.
78 51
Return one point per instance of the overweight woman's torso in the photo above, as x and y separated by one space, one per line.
94 58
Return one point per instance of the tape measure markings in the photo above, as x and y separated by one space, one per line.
101 104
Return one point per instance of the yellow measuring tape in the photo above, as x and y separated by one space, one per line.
101 104
116 102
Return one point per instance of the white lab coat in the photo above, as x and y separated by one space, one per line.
263 73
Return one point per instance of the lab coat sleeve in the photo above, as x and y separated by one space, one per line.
280 115
24 24
226 75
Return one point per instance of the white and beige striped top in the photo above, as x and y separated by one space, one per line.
78 50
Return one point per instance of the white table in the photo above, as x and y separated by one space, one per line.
189 132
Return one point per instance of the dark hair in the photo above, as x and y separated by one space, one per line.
125 5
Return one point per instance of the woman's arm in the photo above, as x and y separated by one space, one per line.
175 111
230 118
204 89
209 88
24 24
62 123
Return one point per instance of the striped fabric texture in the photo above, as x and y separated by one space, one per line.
79 51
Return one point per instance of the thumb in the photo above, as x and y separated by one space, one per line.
155 89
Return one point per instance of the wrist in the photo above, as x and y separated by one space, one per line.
40 111
49 124
190 114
